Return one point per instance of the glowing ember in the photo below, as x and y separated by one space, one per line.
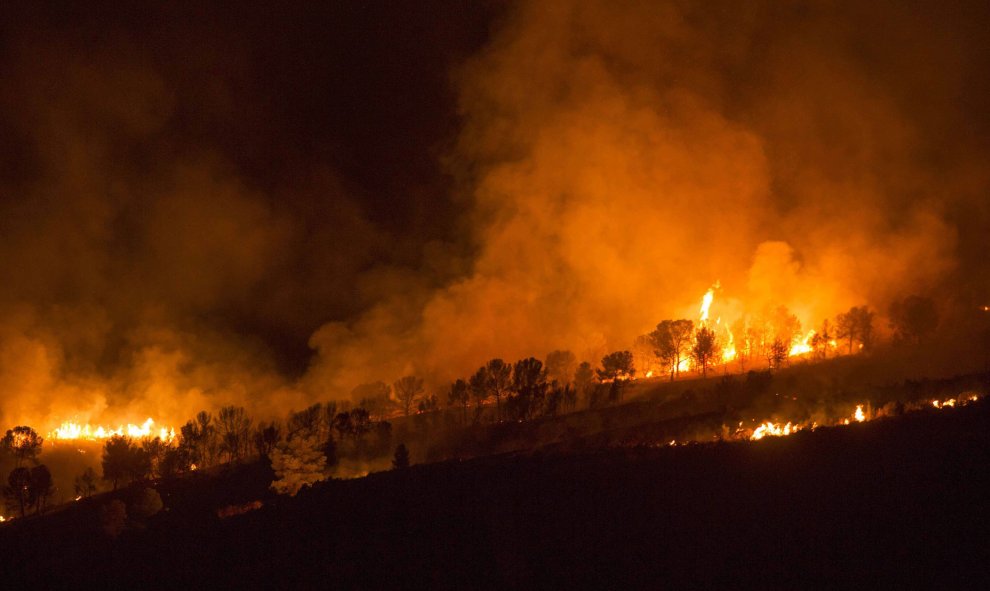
73 431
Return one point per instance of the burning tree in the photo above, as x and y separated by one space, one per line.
23 443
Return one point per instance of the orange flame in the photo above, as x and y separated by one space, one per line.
69 431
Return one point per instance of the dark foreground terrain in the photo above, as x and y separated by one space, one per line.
892 503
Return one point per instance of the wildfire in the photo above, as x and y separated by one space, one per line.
706 302
69 431
803 347
774 430
858 415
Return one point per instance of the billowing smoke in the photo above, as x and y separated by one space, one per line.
621 157
612 160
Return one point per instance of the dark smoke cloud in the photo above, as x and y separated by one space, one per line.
190 203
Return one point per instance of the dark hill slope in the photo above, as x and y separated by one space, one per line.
892 503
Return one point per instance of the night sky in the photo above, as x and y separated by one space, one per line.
277 203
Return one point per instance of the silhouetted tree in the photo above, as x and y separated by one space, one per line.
40 488
360 426
584 380
856 324
530 385
705 349
155 449
821 341
343 425
617 367
175 461
374 397
306 423
267 436
234 428
458 395
407 388
85 483
560 367
401 459
478 384
428 403
23 443
672 341
777 353
17 491
913 318
123 460
499 382
199 440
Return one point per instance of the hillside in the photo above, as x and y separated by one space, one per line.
891 502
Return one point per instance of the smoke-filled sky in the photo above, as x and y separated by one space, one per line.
270 205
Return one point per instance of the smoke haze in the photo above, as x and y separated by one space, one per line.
271 212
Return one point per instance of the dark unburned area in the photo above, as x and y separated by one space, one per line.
897 501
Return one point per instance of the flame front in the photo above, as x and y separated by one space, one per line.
69 431
802 347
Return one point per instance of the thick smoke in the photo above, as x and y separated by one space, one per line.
621 157
612 160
